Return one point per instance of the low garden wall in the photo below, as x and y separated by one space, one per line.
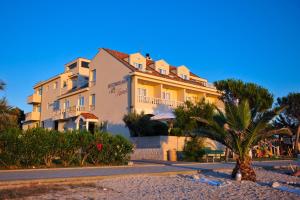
146 146
148 153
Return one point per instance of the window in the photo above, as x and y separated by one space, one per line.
142 92
138 65
55 85
67 104
85 64
39 108
64 84
166 95
56 105
94 75
162 71
81 101
40 91
74 83
183 76
93 99
72 65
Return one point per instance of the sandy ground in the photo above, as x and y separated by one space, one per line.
168 187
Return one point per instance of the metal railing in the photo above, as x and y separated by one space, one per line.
210 85
159 101
64 113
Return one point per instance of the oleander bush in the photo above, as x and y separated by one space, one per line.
110 149
40 148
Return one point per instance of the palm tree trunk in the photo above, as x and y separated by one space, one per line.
244 166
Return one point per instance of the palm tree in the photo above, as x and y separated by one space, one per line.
2 85
239 130
6 111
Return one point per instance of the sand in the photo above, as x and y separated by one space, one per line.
176 187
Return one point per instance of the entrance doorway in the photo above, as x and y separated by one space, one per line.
56 125
92 127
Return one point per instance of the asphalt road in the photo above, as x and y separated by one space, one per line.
144 167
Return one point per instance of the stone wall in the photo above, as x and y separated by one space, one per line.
146 146
148 153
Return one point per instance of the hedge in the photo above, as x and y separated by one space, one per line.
40 147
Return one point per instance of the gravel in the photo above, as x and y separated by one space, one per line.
180 187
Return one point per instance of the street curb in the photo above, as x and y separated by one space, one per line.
72 168
22 183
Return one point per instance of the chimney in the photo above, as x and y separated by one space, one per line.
148 56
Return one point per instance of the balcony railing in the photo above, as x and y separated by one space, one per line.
65 113
35 98
92 83
159 101
210 85
33 116
92 107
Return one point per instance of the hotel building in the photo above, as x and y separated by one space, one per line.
99 92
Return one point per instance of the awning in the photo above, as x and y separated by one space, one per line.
164 116
87 117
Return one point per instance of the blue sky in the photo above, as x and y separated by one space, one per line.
253 40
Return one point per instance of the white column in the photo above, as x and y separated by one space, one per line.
77 125
87 125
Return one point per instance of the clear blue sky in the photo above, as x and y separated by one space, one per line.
252 40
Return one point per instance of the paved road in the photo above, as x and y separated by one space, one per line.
138 168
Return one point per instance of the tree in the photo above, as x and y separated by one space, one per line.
142 125
239 130
291 115
131 121
259 98
8 116
184 114
19 116
2 85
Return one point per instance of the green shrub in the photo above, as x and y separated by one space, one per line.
194 149
69 148
40 147
87 142
115 149
10 148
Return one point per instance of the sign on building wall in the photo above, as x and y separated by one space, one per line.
118 88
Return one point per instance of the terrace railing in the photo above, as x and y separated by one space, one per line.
159 101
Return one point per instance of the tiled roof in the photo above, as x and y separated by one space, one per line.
118 54
88 116
121 56
149 62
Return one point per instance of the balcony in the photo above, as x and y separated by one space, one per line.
159 101
33 99
66 113
210 85
33 116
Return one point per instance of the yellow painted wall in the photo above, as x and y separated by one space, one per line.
161 64
183 70
173 92
137 58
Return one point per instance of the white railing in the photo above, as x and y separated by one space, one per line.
159 101
210 85
92 83
92 107
71 111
